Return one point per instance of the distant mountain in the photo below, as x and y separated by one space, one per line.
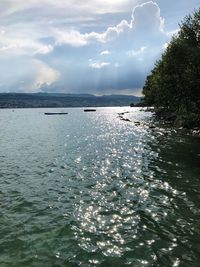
45 100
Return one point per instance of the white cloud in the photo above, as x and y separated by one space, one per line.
12 43
134 53
145 16
24 74
69 6
105 52
15 39
44 49
98 65
142 14
165 46
77 39
33 32
73 38
45 75
171 33
113 32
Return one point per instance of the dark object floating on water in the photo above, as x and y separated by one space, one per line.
55 113
89 110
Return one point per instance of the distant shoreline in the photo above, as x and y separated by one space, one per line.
10 108
44 100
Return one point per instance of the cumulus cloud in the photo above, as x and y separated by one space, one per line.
23 42
73 38
144 17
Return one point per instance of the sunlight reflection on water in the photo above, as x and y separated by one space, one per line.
94 190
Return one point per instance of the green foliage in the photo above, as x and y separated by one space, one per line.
174 83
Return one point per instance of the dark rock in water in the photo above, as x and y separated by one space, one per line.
123 119
55 113
186 121
196 132
179 122
152 127
122 113
149 109
137 122
167 116
89 110
171 117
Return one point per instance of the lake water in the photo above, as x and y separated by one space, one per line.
87 189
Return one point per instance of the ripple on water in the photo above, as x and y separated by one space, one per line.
109 194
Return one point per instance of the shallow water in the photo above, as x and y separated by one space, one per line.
88 189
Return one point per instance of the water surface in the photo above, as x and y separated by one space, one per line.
88 189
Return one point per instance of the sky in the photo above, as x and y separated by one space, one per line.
84 46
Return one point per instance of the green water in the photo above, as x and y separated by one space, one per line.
88 189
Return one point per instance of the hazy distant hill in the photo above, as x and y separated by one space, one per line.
37 100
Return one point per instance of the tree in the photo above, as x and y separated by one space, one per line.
174 83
